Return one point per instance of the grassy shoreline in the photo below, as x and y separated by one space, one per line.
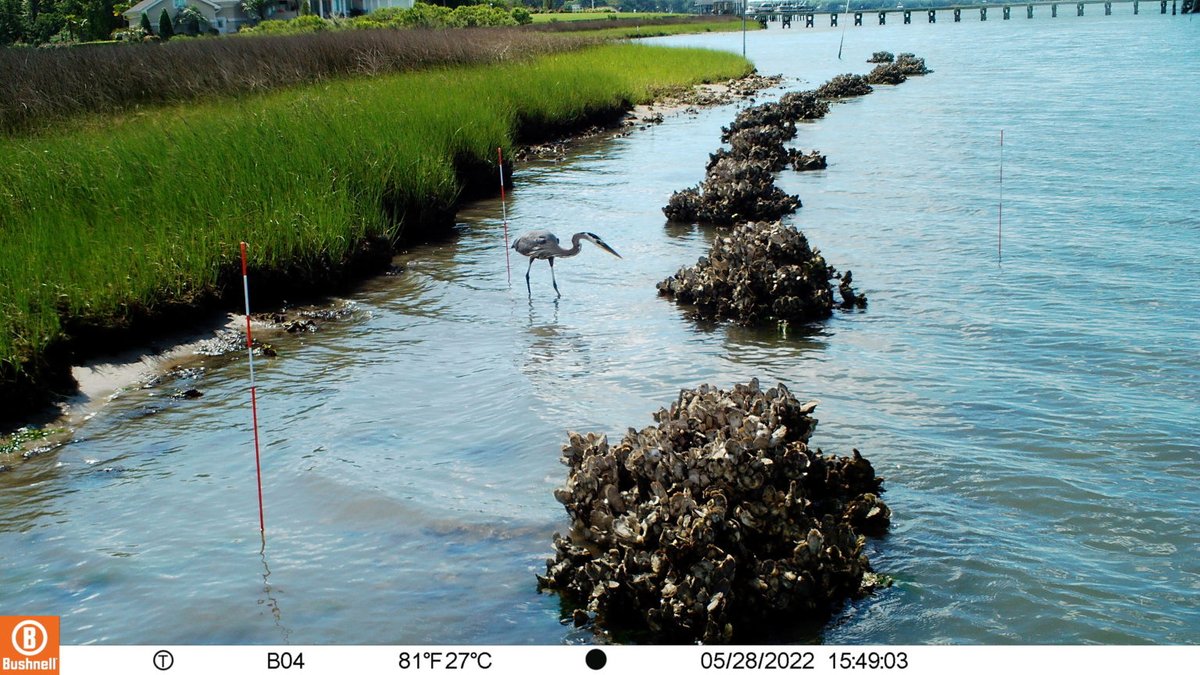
45 90
105 232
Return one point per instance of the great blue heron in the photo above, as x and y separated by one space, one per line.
543 245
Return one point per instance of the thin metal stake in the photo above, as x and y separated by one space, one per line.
1000 217
504 215
262 527
843 40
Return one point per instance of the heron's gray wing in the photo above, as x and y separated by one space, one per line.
536 243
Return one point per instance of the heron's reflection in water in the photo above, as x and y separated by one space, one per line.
557 356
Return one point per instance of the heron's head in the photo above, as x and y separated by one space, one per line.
600 242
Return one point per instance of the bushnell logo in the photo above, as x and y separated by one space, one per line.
29 644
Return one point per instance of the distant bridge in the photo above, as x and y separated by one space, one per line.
786 15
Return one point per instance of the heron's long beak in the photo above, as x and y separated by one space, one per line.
606 247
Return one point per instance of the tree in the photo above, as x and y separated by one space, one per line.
191 21
11 27
146 27
257 9
88 19
165 30
37 21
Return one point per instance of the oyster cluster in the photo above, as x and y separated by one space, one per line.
912 64
886 73
739 184
715 522
734 189
803 105
845 86
894 70
763 143
810 162
758 272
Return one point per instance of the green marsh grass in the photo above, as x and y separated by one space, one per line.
658 29
555 17
630 25
41 88
100 225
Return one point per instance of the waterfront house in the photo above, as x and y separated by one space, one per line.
227 16
718 6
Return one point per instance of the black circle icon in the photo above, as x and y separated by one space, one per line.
596 659
163 659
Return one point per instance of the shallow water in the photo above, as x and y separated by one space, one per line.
1035 419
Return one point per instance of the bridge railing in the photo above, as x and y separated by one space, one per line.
785 15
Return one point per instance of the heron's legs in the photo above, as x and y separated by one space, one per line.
527 287
552 279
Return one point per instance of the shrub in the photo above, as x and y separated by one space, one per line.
390 14
473 16
165 30
147 29
309 23
129 34
423 16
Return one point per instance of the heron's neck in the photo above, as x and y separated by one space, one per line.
576 246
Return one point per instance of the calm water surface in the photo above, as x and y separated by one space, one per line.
1035 420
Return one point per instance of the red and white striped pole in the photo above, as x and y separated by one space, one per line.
504 214
253 394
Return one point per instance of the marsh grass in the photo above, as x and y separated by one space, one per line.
570 17
709 24
632 25
98 227
41 87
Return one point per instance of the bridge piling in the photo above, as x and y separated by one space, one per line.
957 15
932 16
1135 7
808 21
1028 11
1053 11
1079 9
858 18
833 19
983 13
1173 3
1007 12
883 18
907 16
1107 9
